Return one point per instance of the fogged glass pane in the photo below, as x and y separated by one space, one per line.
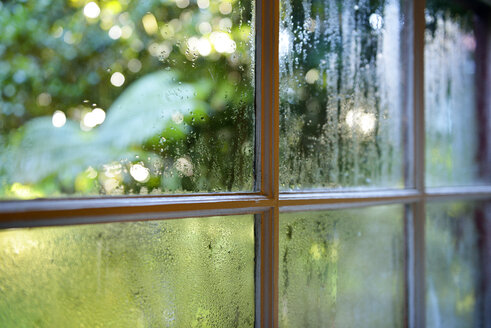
178 273
453 102
458 244
341 93
125 97
342 268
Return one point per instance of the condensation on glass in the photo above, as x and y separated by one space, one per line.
175 273
125 97
454 104
458 245
341 94
342 268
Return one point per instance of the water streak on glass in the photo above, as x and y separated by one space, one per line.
341 96
458 244
342 268
125 97
451 96
175 273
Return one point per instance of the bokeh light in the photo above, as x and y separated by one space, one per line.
92 10
117 79
58 119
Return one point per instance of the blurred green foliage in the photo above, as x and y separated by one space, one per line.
53 57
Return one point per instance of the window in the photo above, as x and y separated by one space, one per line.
237 163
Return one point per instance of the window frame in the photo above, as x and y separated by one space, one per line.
267 201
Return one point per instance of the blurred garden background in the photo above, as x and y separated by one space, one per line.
149 97
157 96
125 97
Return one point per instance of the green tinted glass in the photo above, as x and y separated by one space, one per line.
457 262
342 268
175 273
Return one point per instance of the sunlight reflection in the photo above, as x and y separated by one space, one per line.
312 76
204 47
95 117
376 21
184 166
222 42
140 173
225 8
150 23
92 10
182 3
204 28
203 4
58 119
365 122
24 192
115 32
284 45
117 79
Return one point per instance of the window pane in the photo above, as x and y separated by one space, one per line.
125 97
342 268
454 101
458 244
341 67
177 273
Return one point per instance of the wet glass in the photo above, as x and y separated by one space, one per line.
456 145
173 273
342 268
125 97
341 94
458 244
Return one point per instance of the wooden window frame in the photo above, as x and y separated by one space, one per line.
268 201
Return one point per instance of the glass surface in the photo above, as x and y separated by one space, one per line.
453 100
174 273
125 97
342 268
341 94
458 244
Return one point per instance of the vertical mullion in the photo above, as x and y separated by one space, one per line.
416 267
267 159
418 128
267 108
266 269
407 52
409 267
